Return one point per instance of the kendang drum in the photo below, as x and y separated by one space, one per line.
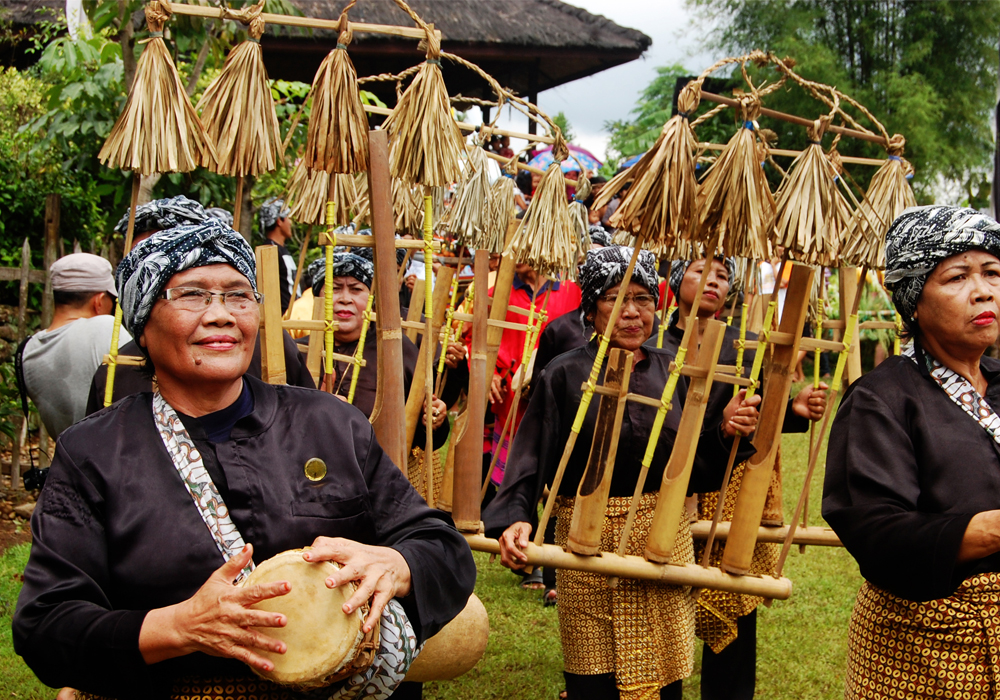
324 644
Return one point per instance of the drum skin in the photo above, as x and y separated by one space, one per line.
321 639
456 648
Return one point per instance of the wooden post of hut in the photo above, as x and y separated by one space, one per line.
52 204
22 333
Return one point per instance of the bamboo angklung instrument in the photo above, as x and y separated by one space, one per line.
757 475
272 351
359 353
449 315
429 346
388 417
469 452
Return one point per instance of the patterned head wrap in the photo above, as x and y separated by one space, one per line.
599 235
270 211
221 214
162 214
921 237
344 265
678 268
145 271
605 267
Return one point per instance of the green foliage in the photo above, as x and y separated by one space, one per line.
567 129
926 68
16 679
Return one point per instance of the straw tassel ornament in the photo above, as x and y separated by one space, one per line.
809 219
501 211
337 141
237 108
158 131
888 195
467 217
309 191
580 215
734 200
425 141
547 238
661 202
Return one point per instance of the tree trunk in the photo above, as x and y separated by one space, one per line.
125 39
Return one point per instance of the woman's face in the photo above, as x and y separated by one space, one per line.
350 296
957 310
213 344
716 287
635 323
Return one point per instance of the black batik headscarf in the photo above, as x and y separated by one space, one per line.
599 235
162 214
605 267
144 272
678 268
344 265
921 237
269 213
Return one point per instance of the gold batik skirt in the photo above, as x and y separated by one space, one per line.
250 688
642 631
946 648
718 611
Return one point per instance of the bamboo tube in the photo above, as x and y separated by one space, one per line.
272 354
449 315
591 501
388 417
337 141
677 474
109 386
425 142
359 353
629 566
429 346
817 536
307 22
331 242
237 108
757 476
469 453
158 130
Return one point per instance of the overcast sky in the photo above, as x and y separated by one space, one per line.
611 94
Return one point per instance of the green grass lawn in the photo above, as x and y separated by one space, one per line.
802 641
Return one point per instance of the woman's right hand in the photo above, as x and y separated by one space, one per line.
513 542
217 620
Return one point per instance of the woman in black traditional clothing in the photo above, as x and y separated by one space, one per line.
156 504
636 640
913 471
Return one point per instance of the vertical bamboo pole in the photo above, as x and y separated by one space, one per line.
850 290
272 345
109 386
429 346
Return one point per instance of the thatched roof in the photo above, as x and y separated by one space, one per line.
527 45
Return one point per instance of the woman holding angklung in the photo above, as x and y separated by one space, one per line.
637 640
156 504
913 471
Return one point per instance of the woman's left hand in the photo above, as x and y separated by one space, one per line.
811 402
740 415
454 354
381 573
439 412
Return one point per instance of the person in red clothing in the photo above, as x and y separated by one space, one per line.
530 290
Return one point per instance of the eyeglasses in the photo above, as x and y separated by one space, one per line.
642 301
194 299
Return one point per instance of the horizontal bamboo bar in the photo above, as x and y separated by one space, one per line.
727 378
629 566
308 22
792 119
730 369
870 325
125 360
303 325
470 128
809 344
637 398
359 241
820 536
794 154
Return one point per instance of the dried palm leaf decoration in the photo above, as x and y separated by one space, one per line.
810 210
425 142
337 141
547 238
888 195
580 215
237 108
501 212
466 219
309 191
158 131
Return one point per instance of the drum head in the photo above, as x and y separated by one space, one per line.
320 637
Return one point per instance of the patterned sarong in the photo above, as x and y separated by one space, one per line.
718 611
642 631
946 648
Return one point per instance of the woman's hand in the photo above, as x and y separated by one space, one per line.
381 573
497 394
513 542
811 402
740 415
217 620
439 412
454 354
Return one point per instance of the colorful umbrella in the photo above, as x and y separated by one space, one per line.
543 159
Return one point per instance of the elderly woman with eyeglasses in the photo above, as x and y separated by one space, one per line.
156 504
636 640
913 471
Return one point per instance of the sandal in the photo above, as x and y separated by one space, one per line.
533 581
550 598
563 695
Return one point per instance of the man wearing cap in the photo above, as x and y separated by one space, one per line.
277 230
60 361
